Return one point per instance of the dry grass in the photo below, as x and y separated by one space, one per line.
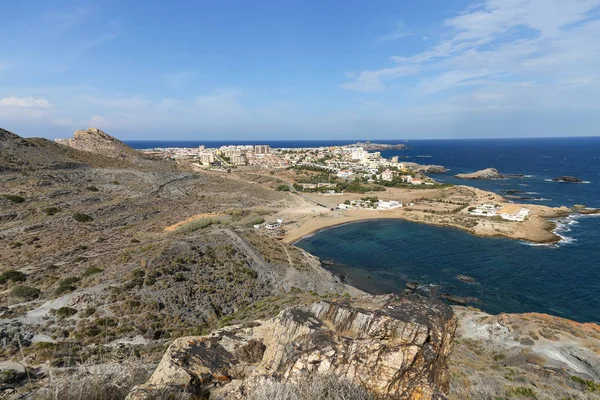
315 387
110 381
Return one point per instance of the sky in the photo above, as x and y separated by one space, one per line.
297 69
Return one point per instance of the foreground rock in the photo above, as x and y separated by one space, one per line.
394 346
567 179
488 173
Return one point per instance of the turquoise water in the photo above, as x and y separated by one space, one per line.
510 276
381 256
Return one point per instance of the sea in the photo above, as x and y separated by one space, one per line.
563 279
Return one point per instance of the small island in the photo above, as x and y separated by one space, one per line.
567 179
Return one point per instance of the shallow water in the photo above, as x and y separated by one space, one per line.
510 276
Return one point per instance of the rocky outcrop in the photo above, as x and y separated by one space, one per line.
545 340
426 169
96 141
488 173
7 135
394 346
567 179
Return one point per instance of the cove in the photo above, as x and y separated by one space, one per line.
380 256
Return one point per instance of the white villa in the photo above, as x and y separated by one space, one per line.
345 174
511 212
511 215
484 210
388 205
387 175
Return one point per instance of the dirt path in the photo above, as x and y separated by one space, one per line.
173 227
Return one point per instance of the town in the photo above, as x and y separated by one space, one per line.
348 171
349 163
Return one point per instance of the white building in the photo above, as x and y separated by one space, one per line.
343 206
262 149
206 158
358 153
519 216
388 205
387 175
344 174
273 225
238 159
484 210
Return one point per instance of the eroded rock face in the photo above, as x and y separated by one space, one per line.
395 346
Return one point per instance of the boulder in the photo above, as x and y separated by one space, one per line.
392 345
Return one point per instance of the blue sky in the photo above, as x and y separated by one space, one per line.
143 69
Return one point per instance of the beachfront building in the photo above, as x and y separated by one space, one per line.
514 212
484 210
388 205
343 206
262 149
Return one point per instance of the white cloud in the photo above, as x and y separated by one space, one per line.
398 33
371 81
27 102
502 42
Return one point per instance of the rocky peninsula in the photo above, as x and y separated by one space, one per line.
488 173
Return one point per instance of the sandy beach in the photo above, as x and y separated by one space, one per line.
307 218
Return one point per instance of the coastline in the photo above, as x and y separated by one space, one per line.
539 228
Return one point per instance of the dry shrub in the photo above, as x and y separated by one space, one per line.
321 387
110 381
252 352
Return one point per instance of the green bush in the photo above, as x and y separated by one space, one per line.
65 312
92 188
588 385
26 292
13 198
521 391
79 217
283 188
67 285
92 271
51 210
12 275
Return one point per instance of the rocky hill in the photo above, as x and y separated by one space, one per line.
20 154
98 142
6 135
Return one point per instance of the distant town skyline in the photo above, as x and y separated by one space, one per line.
294 70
